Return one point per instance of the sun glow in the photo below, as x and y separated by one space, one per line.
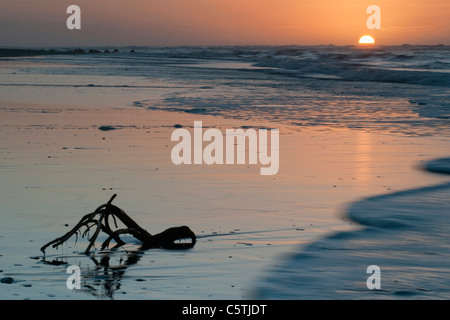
366 40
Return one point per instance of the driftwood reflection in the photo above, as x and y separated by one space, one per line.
103 278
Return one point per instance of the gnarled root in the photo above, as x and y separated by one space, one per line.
100 220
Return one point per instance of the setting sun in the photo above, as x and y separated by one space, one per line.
366 40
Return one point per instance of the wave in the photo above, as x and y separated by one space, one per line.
438 165
411 64
389 89
390 64
404 233
425 65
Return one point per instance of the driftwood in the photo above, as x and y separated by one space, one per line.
100 220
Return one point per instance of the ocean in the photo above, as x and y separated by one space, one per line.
398 94
393 89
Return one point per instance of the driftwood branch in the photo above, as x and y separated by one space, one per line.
99 220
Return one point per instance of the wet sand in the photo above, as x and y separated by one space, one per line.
57 165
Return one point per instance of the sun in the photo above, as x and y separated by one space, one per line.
366 40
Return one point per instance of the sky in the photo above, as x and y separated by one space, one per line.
42 23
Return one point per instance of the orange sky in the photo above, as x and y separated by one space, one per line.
222 22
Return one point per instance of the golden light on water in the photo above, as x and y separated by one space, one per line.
366 40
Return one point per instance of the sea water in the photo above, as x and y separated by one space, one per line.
399 90
390 89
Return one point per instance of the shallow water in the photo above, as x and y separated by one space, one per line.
405 234
371 89
56 166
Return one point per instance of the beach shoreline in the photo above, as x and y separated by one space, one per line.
58 165
69 142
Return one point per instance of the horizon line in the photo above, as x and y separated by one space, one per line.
37 47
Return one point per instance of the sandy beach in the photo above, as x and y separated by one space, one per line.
57 165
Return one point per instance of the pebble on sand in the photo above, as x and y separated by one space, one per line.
7 280
106 128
